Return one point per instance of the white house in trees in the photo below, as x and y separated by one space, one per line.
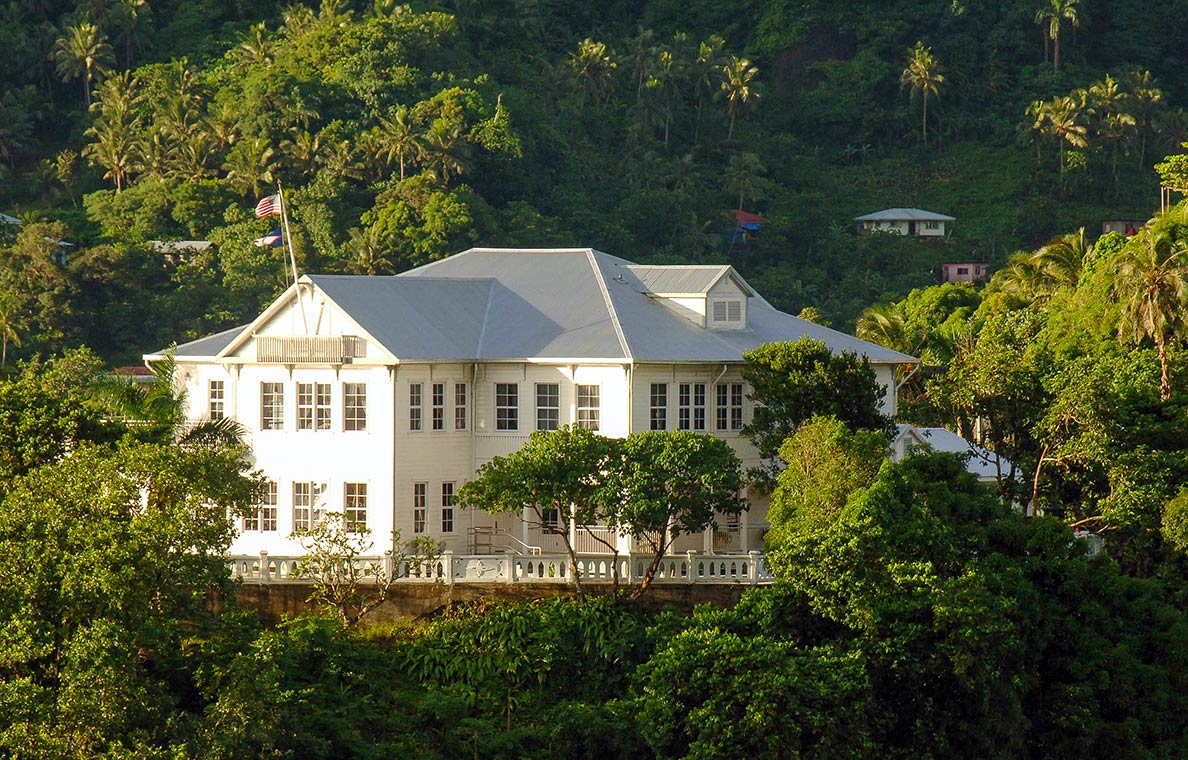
905 221
380 396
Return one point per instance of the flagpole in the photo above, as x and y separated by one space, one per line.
292 258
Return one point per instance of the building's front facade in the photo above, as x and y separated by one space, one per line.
913 222
380 396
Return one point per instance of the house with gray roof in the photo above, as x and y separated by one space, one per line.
380 396
905 221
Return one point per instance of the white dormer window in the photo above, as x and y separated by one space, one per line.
727 313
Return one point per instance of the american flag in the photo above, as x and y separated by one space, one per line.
268 206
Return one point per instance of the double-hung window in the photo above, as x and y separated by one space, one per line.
507 406
730 406
263 516
691 406
313 406
419 502
588 407
415 399
354 406
272 406
354 506
216 398
438 408
308 505
658 416
447 507
460 406
548 406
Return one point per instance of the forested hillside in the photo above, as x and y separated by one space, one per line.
406 133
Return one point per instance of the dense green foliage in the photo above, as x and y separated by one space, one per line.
405 133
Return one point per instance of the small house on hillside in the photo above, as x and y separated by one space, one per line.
1127 227
179 250
905 221
746 224
964 271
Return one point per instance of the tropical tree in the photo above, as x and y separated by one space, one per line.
115 148
1054 14
739 88
1146 105
83 52
250 165
553 482
661 484
1066 119
884 324
397 140
593 66
923 76
1151 283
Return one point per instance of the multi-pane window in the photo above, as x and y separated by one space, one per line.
313 406
587 407
419 491
447 507
438 410
354 406
263 516
215 397
354 506
272 406
548 406
691 406
460 406
308 506
507 406
659 406
550 518
414 406
730 406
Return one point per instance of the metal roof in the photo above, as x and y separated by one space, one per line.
982 462
682 279
514 304
904 215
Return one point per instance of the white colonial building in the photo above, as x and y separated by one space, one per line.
380 396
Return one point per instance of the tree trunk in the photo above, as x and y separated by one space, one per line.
1056 53
1164 374
925 123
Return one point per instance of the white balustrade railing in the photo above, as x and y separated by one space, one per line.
513 567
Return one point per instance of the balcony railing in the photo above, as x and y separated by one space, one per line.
513 567
309 349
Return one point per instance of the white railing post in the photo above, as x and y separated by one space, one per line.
689 558
511 566
389 565
264 576
447 566
753 568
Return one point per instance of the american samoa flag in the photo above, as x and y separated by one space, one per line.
272 239
268 206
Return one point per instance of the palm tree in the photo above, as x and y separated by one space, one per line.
1054 14
11 324
885 325
1147 101
738 84
114 148
249 165
922 75
370 255
156 411
709 63
745 171
1040 126
254 48
303 150
398 141
1065 115
133 14
83 52
1062 261
593 67
1151 283
445 151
